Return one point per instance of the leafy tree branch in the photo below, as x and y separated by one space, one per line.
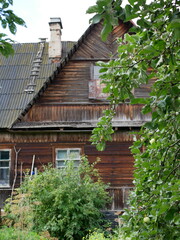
10 20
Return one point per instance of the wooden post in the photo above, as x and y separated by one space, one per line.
32 166
21 173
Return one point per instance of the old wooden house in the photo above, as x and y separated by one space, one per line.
51 99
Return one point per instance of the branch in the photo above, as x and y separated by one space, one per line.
172 172
15 170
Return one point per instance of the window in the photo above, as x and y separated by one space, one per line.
66 154
4 167
95 85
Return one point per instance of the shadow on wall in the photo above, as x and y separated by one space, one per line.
4 194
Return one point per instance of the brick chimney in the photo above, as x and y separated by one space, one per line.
55 45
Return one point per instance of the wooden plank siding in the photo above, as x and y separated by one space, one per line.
66 100
95 48
67 115
71 85
115 167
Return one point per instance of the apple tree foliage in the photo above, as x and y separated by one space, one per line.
152 52
10 20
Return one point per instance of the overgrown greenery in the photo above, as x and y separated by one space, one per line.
65 202
10 20
99 235
152 52
14 234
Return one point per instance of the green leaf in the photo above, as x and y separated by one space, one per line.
175 90
101 146
139 101
146 109
6 47
4 23
132 2
159 45
148 50
135 151
12 28
96 19
128 10
176 35
5 5
143 23
149 125
92 9
175 23
105 31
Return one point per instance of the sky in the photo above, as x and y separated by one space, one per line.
37 13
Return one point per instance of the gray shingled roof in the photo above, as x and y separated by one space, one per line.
15 75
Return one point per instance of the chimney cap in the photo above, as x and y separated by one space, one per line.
56 20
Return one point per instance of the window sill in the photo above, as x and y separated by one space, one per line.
5 186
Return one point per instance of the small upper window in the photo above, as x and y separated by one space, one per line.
66 154
4 167
95 84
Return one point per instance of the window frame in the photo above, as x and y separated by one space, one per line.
95 85
9 167
68 149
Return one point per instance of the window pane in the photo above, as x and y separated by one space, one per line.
4 163
62 154
4 154
76 163
74 154
60 164
4 176
96 72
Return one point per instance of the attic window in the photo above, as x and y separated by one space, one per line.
95 84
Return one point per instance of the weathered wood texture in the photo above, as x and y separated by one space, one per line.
66 99
94 48
71 84
119 196
57 136
115 167
77 115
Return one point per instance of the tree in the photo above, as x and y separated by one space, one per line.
10 20
151 52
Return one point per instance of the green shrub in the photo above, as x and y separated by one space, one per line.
14 234
99 235
65 202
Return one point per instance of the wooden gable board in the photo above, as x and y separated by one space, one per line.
94 48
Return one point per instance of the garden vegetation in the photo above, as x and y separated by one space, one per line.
65 202
151 52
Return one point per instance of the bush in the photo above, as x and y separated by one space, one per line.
65 202
99 235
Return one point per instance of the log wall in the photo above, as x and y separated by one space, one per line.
115 167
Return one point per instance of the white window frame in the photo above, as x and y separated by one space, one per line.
69 158
6 184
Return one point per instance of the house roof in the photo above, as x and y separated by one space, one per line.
17 72
15 75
